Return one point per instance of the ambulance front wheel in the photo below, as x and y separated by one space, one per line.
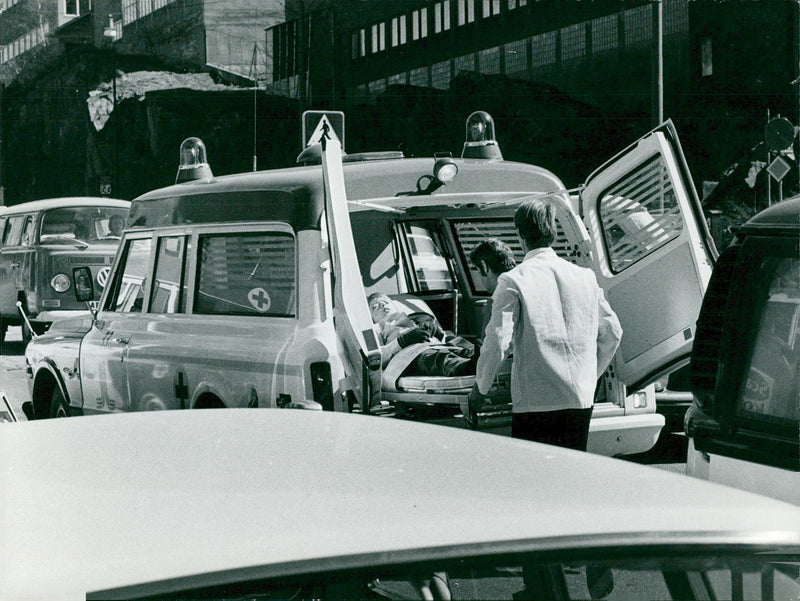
59 407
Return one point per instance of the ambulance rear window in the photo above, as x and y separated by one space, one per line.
246 274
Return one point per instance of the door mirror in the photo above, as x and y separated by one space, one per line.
83 284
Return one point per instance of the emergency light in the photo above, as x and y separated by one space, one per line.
193 165
479 142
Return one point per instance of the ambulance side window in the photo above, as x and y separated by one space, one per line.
127 293
251 273
168 292
429 266
639 214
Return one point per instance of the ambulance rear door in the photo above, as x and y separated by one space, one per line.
653 252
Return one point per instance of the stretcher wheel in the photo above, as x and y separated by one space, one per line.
471 419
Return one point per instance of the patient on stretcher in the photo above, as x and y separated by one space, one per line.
416 343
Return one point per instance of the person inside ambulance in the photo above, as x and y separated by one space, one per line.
418 343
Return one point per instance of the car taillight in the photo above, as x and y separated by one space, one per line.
321 384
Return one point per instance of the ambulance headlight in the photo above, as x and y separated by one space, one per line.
479 140
445 170
60 282
194 164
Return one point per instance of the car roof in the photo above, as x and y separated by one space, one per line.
66 202
116 500
295 194
782 217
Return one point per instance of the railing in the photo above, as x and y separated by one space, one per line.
22 44
133 10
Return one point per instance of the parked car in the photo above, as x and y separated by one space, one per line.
744 426
250 290
40 242
246 504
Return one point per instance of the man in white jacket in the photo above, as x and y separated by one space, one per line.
564 336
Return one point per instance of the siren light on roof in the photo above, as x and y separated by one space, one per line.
479 142
194 165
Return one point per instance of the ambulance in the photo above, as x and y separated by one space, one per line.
250 290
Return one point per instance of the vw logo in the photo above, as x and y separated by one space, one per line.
102 276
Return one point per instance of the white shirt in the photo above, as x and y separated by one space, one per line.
564 334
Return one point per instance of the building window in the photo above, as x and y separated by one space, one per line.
706 57
445 15
395 35
489 61
464 63
515 57
419 77
491 8
71 8
403 29
573 41
397 79
605 35
638 26
382 36
544 49
466 11
440 75
423 23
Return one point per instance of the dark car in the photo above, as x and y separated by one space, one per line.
744 425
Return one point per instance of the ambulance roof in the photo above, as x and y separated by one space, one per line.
295 195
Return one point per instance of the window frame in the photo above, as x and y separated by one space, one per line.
407 255
111 291
632 179
183 290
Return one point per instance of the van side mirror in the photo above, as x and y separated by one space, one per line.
83 284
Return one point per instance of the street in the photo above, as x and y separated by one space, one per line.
669 453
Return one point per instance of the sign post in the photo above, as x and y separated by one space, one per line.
779 135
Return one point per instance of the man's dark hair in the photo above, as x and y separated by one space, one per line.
536 222
497 255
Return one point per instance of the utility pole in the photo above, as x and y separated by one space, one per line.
110 33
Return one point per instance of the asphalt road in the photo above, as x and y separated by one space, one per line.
669 453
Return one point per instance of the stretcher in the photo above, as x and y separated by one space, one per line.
407 394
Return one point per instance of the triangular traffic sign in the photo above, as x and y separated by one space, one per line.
323 128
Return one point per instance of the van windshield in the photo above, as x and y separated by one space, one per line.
89 225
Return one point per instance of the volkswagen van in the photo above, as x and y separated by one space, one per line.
744 425
250 290
40 242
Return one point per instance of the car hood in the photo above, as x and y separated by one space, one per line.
111 501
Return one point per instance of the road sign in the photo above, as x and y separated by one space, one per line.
317 122
779 168
779 133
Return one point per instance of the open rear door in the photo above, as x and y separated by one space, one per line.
655 253
351 314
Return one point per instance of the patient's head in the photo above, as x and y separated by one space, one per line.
380 306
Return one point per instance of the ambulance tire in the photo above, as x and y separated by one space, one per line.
59 407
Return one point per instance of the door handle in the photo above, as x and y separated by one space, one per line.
122 340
